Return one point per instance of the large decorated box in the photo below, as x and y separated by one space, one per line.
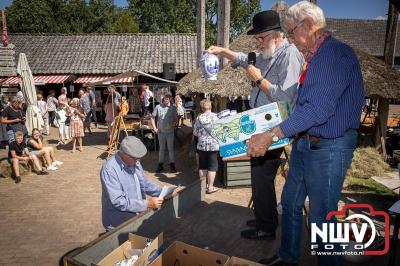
233 131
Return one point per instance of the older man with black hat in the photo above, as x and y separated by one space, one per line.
125 186
274 74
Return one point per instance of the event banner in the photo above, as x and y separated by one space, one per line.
233 131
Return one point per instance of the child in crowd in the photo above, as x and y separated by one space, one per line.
18 151
36 147
124 106
76 128
62 121
42 105
179 109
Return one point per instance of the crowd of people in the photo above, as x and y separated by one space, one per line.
73 119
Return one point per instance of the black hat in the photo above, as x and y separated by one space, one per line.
265 21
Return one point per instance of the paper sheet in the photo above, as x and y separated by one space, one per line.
395 208
166 191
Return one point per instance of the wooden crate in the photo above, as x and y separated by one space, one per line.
237 172
148 224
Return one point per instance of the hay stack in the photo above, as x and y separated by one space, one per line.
367 162
5 169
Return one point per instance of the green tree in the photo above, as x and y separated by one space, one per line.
242 13
30 16
125 23
180 16
102 14
77 17
164 15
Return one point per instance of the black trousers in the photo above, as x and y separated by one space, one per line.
94 115
263 172
52 116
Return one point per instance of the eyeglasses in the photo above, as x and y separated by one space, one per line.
261 39
290 32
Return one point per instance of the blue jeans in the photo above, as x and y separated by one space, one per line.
11 136
317 170
166 138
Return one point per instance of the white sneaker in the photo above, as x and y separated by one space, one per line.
57 163
52 168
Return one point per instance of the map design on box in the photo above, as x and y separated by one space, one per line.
232 132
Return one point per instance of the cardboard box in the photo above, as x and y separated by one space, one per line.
235 261
181 254
233 131
134 242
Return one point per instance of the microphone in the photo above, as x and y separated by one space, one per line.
251 58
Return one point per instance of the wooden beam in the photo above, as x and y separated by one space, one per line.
223 20
391 34
380 126
389 53
201 29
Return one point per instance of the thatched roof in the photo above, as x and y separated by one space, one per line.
379 79
230 81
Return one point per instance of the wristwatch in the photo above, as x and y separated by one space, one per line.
274 137
259 81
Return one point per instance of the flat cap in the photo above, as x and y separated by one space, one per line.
133 147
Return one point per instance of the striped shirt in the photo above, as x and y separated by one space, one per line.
332 96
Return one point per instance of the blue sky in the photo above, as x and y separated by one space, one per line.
365 9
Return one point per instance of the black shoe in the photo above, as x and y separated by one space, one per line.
172 167
17 179
251 223
160 168
275 261
257 234
43 172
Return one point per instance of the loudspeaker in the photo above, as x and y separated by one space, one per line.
169 71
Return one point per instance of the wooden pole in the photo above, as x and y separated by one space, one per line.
223 20
201 28
380 126
391 34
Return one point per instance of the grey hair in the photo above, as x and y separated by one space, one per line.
305 9
15 99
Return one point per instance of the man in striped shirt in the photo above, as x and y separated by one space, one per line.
324 122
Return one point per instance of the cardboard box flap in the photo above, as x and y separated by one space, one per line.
235 261
151 251
134 242
181 254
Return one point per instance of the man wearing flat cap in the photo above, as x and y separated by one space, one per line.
274 74
124 186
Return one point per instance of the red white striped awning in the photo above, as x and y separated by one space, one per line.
57 79
89 79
